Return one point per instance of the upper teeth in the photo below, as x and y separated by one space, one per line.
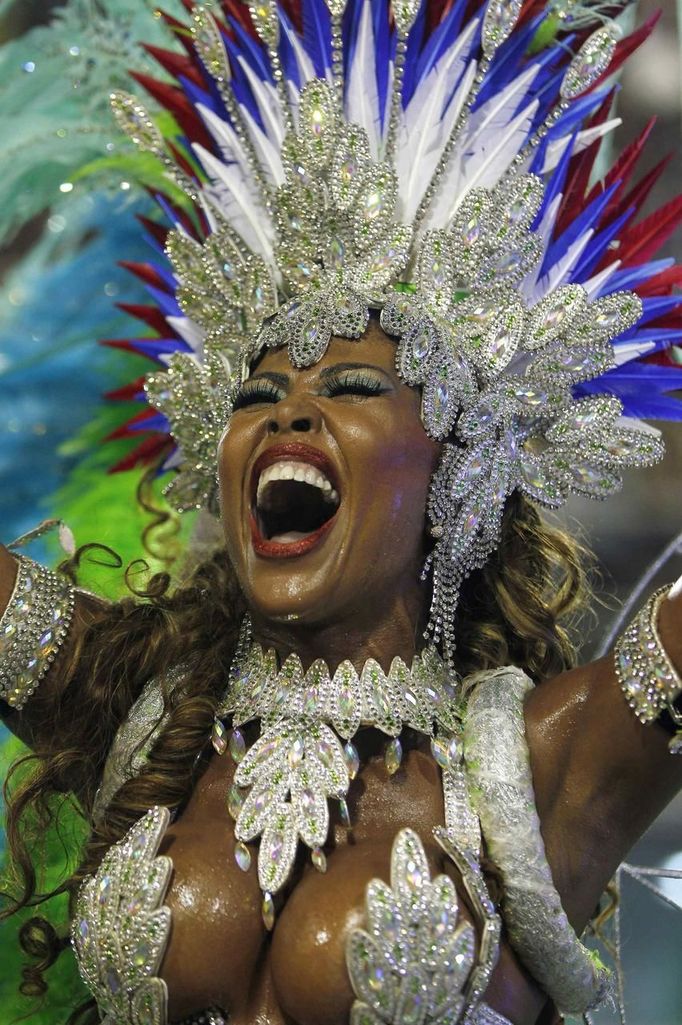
303 472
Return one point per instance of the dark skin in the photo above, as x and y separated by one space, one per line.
600 777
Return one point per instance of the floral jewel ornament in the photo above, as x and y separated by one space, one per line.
305 756
331 177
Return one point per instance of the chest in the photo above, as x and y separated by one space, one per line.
220 952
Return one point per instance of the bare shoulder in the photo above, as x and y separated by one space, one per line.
600 776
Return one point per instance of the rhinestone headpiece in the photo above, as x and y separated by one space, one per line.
362 157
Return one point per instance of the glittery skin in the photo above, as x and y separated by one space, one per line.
497 766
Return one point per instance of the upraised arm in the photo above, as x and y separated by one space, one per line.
42 619
601 777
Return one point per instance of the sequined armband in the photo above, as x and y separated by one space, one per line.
647 677
32 630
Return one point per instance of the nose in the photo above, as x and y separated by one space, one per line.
295 414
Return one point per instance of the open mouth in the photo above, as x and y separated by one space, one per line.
294 504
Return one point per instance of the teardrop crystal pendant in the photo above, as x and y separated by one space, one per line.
237 746
352 759
393 756
344 814
218 737
242 855
268 911
319 859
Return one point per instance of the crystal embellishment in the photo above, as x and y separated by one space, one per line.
415 963
304 756
121 927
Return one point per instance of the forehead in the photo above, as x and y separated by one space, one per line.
374 347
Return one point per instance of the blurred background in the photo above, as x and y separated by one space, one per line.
59 279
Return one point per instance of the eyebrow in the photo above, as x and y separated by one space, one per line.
339 367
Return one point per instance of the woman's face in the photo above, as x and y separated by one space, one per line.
324 476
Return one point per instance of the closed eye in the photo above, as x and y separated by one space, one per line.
257 391
357 383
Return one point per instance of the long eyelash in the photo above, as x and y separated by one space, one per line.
256 391
356 384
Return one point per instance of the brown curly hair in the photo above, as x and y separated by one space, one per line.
515 609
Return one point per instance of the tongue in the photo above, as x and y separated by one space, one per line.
290 537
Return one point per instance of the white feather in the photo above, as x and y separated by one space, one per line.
238 204
268 103
631 350
487 167
362 95
594 285
429 161
497 112
268 152
190 332
560 273
582 141
226 138
306 69
529 285
423 131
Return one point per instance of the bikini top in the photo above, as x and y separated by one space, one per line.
121 926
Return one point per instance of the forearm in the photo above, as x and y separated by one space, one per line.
8 575
600 776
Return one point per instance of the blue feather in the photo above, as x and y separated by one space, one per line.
414 46
166 303
630 277
165 274
655 306
384 48
642 388
155 347
240 86
598 246
440 40
555 183
662 337
582 222
286 52
170 214
249 48
158 422
155 245
317 34
579 111
511 58
196 95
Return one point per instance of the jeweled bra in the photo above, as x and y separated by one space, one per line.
121 928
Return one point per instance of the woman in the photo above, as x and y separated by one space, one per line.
378 446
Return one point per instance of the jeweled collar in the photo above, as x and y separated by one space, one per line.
305 754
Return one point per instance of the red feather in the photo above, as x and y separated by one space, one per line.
128 393
627 46
240 12
174 100
621 172
664 358
180 31
128 429
145 272
638 195
151 316
643 240
580 170
661 284
143 454
175 64
159 232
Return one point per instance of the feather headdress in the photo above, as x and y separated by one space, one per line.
432 162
